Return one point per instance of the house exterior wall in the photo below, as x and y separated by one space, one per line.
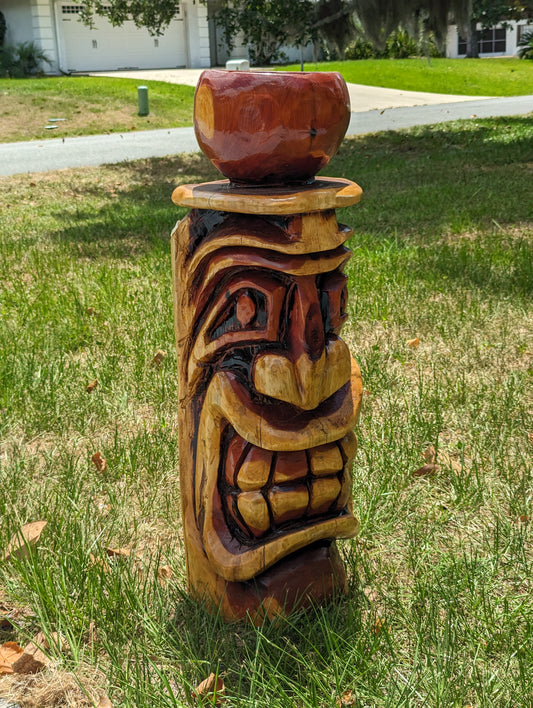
35 20
19 21
511 40
44 31
197 31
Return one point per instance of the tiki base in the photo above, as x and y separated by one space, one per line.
313 576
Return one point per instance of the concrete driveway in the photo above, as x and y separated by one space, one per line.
363 98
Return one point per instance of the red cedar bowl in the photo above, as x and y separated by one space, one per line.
270 127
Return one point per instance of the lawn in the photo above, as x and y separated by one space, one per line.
89 105
470 77
440 603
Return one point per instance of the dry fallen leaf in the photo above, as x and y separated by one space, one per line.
347 699
425 470
31 661
99 462
9 653
379 624
90 387
104 702
209 687
26 538
429 454
524 518
92 634
159 356
530 438
91 312
164 572
445 459
413 343
121 552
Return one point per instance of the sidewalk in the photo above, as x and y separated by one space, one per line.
373 109
363 98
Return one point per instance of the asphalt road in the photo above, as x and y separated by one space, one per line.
47 155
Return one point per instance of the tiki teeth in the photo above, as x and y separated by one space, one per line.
346 491
323 493
290 466
325 460
349 446
288 503
255 469
254 511
234 453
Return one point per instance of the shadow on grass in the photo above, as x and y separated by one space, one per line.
458 195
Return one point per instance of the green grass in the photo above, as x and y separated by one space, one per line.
90 105
440 605
482 77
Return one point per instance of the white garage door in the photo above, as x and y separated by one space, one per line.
107 48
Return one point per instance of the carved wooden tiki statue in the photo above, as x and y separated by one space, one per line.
268 392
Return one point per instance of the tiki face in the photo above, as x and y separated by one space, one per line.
266 390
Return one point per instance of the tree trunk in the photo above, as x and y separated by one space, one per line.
472 43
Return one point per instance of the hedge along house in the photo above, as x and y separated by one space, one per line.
71 46
497 41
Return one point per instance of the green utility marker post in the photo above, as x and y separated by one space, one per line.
142 93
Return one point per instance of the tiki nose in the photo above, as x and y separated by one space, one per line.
306 372
306 327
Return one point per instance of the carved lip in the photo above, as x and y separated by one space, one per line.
240 558
267 494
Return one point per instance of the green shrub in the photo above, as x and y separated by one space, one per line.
526 45
400 45
21 60
360 49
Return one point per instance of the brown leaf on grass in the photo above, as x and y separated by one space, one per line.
55 641
212 686
104 702
347 699
524 518
92 633
120 552
378 626
530 438
429 454
448 461
413 343
99 462
31 661
8 615
91 312
164 573
26 538
91 386
425 471
158 359
9 653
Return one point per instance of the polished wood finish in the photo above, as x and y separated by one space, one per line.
268 392
269 396
270 127
324 193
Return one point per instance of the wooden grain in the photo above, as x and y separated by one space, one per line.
322 194
270 127
266 387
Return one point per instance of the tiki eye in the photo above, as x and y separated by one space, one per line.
333 300
245 310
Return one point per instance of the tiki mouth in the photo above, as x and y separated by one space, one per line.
267 494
